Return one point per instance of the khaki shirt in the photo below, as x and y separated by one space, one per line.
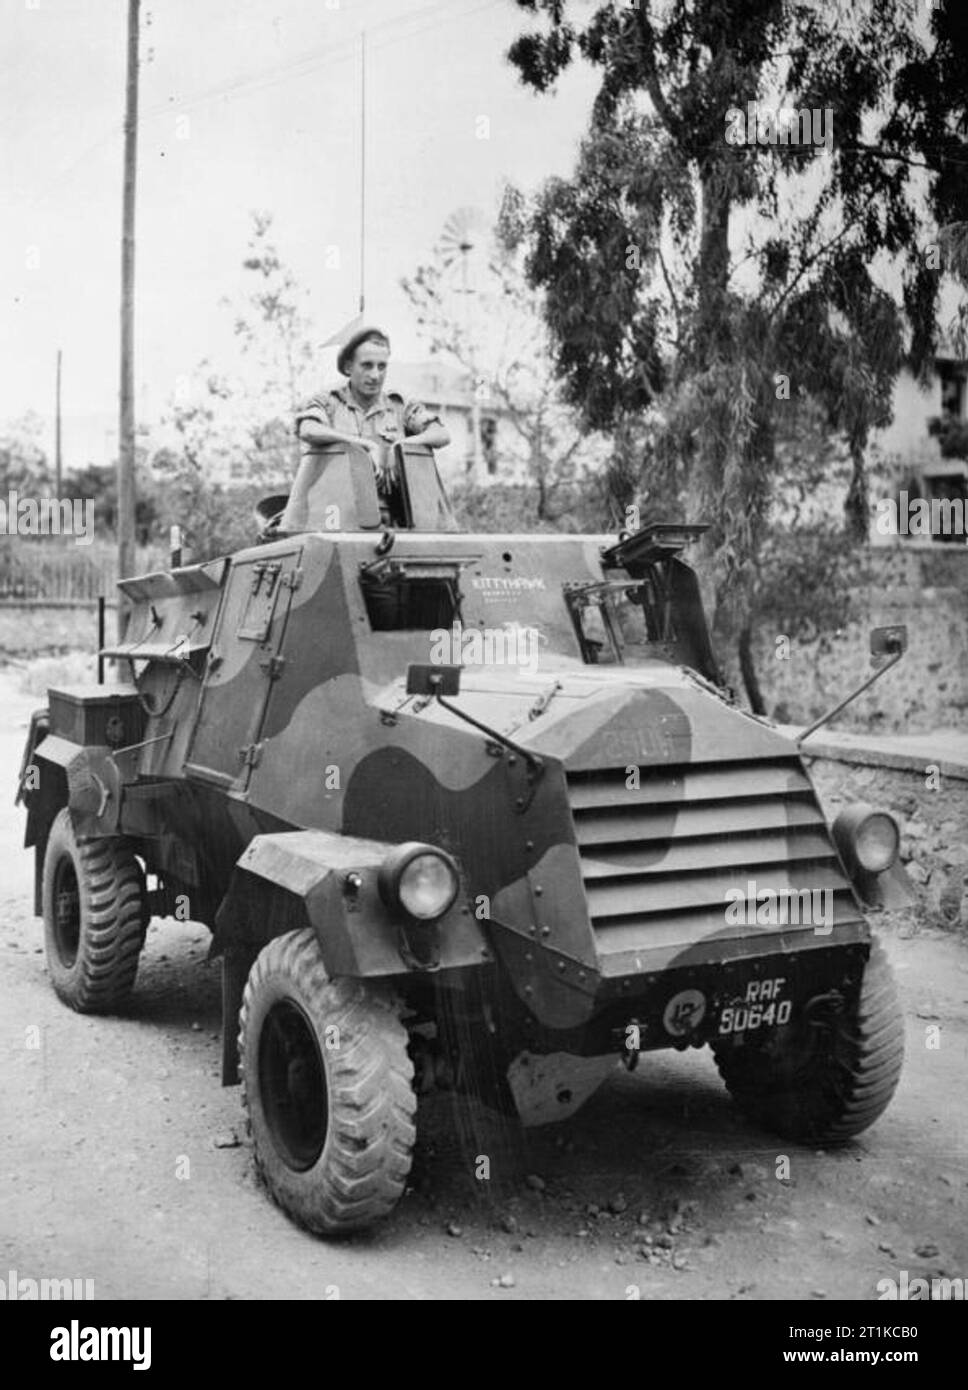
389 418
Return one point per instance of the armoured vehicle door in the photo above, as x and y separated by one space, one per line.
242 664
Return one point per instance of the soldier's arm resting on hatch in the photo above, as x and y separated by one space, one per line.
434 435
312 432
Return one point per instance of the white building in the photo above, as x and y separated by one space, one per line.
923 452
447 390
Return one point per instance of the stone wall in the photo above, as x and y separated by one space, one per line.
924 587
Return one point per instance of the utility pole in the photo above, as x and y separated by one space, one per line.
126 431
57 432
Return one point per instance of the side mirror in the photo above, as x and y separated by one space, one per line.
889 641
885 641
445 680
433 680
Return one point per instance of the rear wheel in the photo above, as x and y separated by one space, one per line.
327 1086
94 917
829 1077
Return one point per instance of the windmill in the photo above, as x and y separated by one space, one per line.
464 238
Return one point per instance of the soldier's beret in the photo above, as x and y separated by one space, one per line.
347 350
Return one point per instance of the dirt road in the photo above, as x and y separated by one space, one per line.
119 1159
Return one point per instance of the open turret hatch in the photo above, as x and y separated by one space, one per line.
335 490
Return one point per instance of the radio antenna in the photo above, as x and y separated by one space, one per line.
362 170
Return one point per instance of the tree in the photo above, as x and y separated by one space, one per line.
723 249
502 345
213 519
932 113
23 463
228 428
800 587
276 335
98 483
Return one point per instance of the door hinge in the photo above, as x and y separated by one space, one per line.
293 578
250 754
272 665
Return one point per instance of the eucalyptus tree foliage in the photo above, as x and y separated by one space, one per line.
751 222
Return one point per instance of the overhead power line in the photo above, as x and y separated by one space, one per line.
345 51
443 11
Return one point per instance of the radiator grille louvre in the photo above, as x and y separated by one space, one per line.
659 859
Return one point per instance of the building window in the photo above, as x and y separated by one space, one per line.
952 378
949 502
489 444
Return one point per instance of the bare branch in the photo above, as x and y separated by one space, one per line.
812 260
677 314
646 38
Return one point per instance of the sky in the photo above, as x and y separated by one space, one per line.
245 105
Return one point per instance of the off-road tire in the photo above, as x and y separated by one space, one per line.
838 1086
327 1085
94 918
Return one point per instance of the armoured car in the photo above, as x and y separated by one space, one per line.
457 808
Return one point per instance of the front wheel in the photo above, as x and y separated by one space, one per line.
327 1087
95 917
825 1080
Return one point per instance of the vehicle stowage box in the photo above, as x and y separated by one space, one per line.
105 715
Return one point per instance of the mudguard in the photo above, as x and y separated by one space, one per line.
330 882
82 777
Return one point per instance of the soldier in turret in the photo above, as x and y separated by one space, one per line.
362 413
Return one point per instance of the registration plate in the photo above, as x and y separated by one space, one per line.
760 1006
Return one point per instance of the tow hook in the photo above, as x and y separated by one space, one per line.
831 1003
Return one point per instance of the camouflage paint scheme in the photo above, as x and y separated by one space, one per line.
270 750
